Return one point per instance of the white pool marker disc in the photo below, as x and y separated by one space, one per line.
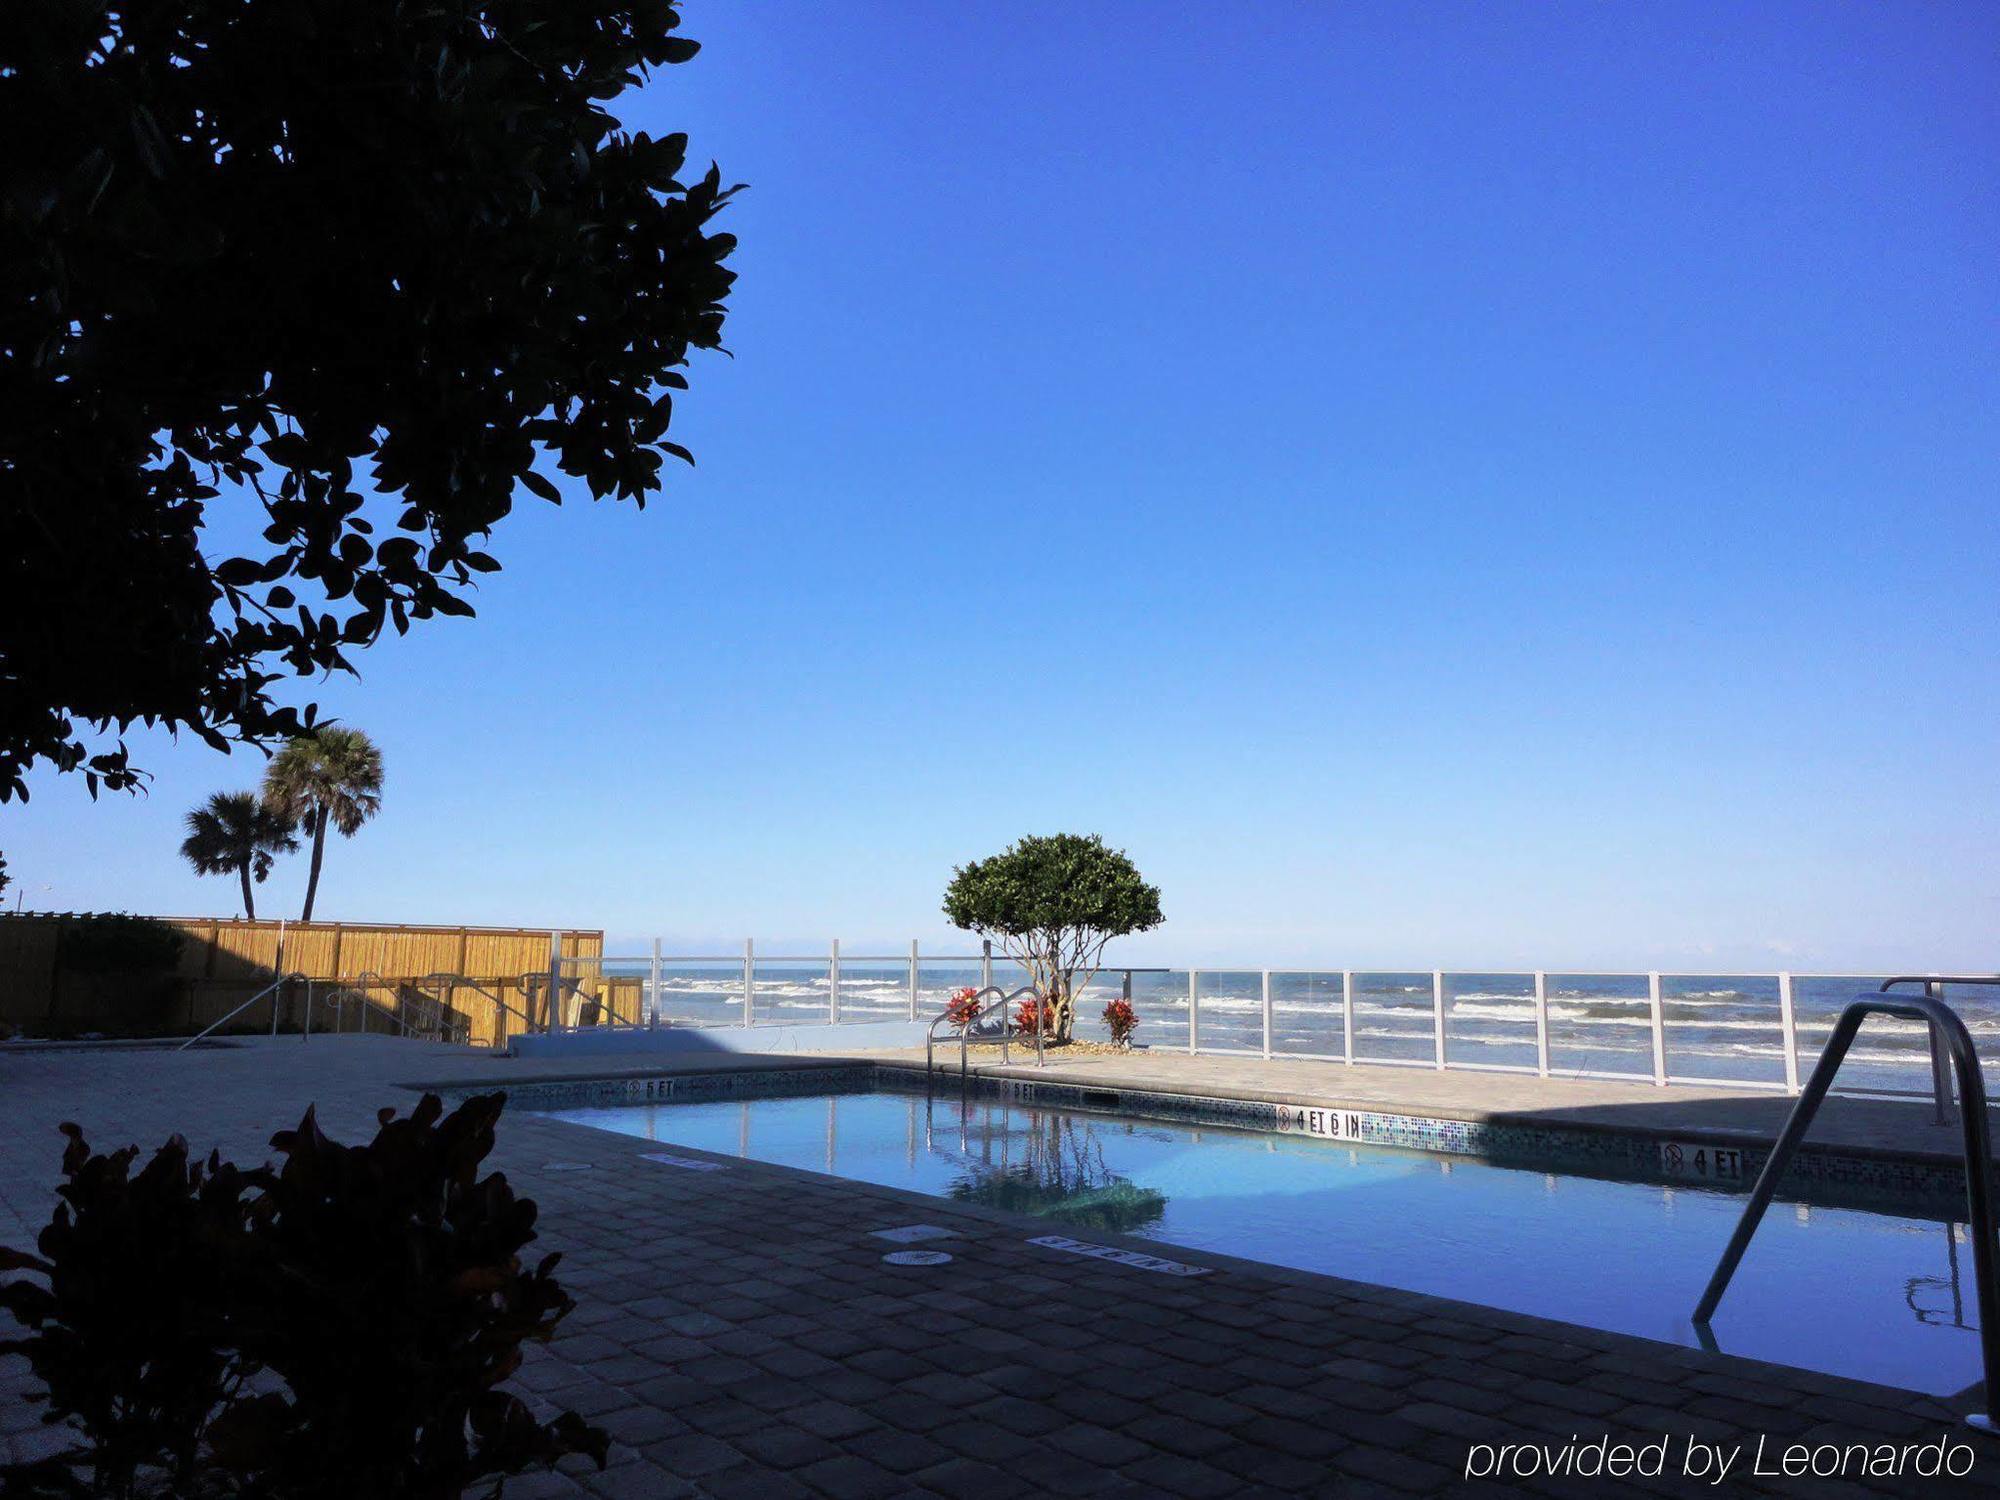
916 1257
686 1163
910 1234
566 1166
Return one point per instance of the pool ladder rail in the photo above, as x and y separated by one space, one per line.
1005 999
1948 1037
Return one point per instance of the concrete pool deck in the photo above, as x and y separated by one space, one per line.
739 1333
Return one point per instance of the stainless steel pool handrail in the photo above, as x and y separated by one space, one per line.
964 1032
1940 1074
1947 1031
277 984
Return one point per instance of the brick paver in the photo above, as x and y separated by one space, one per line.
740 1334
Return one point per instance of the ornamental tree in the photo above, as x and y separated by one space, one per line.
1052 903
352 274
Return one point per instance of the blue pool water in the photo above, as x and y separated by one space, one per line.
1873 1296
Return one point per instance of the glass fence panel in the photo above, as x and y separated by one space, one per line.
1232 1010
618 985
1161 1001
790 992
1600 1023
1489 1020
1306 1015
1978 1005
874 987
1394 1019
697 994
1103 987
938 979
1890 1055
1723 1026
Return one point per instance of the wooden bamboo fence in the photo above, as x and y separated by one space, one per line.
223 962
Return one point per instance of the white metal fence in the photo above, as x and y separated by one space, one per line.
1753 1031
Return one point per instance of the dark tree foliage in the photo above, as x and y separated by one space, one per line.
336 1327
352 270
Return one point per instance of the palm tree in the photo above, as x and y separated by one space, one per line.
234 832
332 777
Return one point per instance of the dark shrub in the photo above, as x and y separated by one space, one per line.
114 942
335 1327
130 1334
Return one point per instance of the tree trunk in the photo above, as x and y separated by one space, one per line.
249 901
319 851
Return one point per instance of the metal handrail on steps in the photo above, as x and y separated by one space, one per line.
277 984
358 987
453 981
965 1031
1948 1034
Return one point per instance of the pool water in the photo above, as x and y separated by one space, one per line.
1872 1296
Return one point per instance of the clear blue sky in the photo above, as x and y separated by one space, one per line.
1465 484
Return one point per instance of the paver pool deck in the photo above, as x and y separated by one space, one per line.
739 1333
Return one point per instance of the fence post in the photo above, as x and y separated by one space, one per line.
833 984
652 1004
279 993
986 963
1790 1024
1194 1010
1940 1069
555 978
913 979
1267 1015
1659 1030
749 982
1541 1024
1347 1015
1437 1015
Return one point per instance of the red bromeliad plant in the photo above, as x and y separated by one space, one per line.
1032 1011
1121 1021
963 1008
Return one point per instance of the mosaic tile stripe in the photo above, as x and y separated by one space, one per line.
741 1083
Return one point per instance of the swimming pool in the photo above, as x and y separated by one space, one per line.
1868 1295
